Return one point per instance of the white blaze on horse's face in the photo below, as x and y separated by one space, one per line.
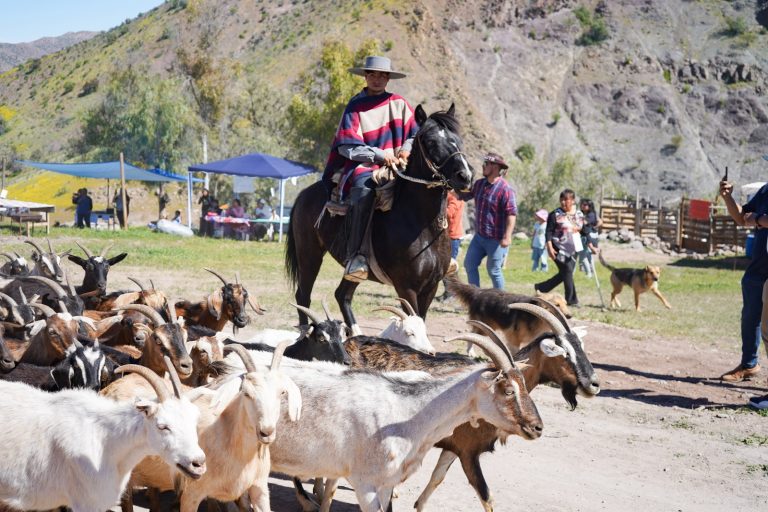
441 133
467 174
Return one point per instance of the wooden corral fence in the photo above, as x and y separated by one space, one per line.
695 225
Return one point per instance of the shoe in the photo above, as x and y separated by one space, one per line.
758 402
357 269
740 373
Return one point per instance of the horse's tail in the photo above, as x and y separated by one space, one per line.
291 259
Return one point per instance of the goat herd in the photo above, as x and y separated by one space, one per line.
105 392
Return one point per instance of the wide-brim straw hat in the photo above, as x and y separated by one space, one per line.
375 63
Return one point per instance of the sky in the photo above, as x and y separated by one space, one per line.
22 21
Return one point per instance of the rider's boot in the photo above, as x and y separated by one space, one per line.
357 264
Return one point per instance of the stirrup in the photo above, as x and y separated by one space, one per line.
357 269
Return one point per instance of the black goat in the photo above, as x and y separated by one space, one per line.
15 266
7 363
96 269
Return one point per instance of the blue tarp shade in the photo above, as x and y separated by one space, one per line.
257 165
108 170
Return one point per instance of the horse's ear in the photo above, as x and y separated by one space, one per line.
451 109
421 116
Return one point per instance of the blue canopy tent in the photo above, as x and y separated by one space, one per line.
259 165
111 171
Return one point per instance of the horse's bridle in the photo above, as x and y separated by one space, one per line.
440 180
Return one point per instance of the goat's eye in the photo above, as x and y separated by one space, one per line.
163 426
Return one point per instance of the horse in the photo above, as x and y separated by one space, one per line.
409 241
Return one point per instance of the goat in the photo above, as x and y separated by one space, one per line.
90 476
82 367
552 357
321 340
7 363
42 286
225 304
166 339
96 269
15 266
17 314
490 306
407 329
129 328
238 422
379 426
51 338
47 264
155 299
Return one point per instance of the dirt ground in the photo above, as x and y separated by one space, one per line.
663 435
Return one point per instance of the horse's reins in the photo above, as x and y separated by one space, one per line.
440 180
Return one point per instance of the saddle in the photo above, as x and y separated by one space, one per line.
384 177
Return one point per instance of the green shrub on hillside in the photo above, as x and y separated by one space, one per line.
734 26
593 25
526 152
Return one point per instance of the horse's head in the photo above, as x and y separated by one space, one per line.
440 146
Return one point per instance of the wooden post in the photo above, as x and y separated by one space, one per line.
638 213
2 186
122 192
680 213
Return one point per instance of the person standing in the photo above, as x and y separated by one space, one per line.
563 236
539 242
495 215
206 202
753 214
376 130
118 202
84 208
589 235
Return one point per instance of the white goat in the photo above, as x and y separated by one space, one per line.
76 449
238 421
375 428
407 329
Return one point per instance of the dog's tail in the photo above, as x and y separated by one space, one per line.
466 293
606 265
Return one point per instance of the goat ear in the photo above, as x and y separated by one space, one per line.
215 301
451 110
62 376
117 259
294 398
550 348
77 260
147 407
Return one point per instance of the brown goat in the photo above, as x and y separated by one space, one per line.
226 304
130 328
155 299
491 306
549 358
50 341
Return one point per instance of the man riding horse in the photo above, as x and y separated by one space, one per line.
376 130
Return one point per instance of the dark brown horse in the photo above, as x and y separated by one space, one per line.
409 241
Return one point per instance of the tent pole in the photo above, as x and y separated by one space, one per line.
189 200
108 199
282 202
122 192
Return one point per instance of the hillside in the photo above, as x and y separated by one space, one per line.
13 54
673 95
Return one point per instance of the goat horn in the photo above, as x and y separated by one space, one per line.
88 254
23 297
8 255
311 314
14 308
161 390
326 310
72 290
174 376
408 306
237 277
243 354
76 343
217 275
137 282
554 310
172 312
493 336
104 250
17 254
392 309
50 283
35 245
542 313
50 247
46 310
255 306
9 300
497 356
277 356
152 283
147 311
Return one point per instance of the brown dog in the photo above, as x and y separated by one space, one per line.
640 279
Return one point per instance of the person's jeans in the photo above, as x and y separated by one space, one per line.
752 308
539 257
479 248
455 244
564 275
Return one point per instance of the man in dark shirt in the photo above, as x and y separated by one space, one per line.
83 209
753 214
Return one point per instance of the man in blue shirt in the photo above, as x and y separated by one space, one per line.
753 214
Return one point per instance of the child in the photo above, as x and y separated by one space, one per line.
538 242
177 217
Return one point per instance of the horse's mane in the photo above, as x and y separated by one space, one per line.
446 120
